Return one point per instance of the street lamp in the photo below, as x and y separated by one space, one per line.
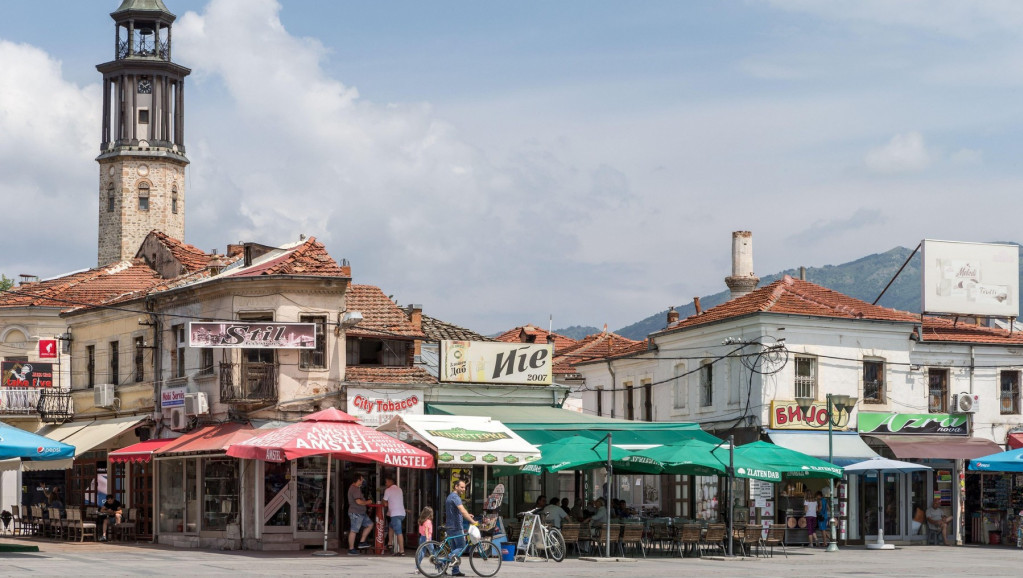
839 403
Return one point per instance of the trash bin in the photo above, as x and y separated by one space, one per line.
994 537
508 552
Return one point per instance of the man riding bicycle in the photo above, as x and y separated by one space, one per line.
454 511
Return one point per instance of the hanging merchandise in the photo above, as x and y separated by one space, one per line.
842 529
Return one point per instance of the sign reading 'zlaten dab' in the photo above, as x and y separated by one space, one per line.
252 335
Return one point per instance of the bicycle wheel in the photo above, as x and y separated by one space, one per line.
432 559
485 558
556 545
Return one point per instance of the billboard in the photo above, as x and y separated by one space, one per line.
787 415
496 362
21 374
970 278
252 335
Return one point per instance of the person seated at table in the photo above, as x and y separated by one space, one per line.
554 513
937 520
541 503
111 510
578 511
600 515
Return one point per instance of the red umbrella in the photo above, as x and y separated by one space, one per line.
336 434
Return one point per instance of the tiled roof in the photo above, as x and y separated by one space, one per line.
191 258
437 330
792 296
84 288
520 335
381 317
941 329
307 258
597 346
367 374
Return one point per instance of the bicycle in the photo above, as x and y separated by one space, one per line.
433 558
551 540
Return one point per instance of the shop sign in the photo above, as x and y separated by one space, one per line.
913 423
254 335
467 435
47 349
486 362
377 407
21 374
173 397
787 415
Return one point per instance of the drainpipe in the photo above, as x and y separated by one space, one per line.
157 366
611 370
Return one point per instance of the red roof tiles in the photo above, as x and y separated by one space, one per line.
191 257
309 258
941 329
597 346
533 334
381 317
85 288
368 374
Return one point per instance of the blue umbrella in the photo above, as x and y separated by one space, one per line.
1010 461
16 443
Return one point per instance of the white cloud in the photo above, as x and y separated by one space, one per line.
967 157
905 153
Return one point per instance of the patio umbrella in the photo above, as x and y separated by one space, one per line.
879 465
336 434
583 453
1010 461
789 462
16 443
699 458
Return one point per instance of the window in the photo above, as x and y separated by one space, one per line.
648 404
1010 393
143 116
630 406
368 351
115 363
806 377
600 400
178 355
937 388
140 367
174 199
873 381
707 384
315 358
143 196
90 365
680 391
206 361
110 199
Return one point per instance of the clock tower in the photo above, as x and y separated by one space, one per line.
142 154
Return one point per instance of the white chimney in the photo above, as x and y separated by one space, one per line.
742 280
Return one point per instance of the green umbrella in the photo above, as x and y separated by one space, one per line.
699 458
790 462
582 453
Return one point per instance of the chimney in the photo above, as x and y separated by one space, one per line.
742 281
235 250
415 317
802 273
672 315
696 304
215 265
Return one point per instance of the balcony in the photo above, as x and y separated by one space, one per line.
248 382
19 400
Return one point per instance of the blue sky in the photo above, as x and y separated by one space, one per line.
499 162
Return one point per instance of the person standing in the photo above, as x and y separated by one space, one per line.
394 501
357 516
810 512
454 512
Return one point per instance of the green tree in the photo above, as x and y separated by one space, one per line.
5 283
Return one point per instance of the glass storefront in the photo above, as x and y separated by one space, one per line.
220 493
190 502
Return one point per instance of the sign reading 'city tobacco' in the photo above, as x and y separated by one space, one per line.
252 335
485 362
912 423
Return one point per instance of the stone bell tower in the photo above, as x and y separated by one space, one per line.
142 154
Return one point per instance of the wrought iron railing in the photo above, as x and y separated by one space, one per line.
55 406
248 382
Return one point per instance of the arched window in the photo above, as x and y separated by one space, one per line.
143 196
174 199
110 198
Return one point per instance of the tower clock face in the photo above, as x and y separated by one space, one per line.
145 87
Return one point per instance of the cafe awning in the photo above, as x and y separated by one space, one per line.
141 452
847 447
210 439
938 447
88 435
465 440
540 424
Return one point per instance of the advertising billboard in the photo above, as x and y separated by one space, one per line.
252 335
970 278
21 374
496 362
377 407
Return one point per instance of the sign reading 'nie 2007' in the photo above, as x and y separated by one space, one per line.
252 335
485 362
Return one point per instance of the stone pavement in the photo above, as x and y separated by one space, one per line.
88 559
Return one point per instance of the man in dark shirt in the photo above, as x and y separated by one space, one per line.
111 510
454 511
358 518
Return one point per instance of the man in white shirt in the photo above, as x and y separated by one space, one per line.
394 500
554 513
937 520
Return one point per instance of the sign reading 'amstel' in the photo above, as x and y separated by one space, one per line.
485 362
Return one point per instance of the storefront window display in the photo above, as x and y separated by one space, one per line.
220 493
172 493
311 482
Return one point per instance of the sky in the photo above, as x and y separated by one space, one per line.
504 162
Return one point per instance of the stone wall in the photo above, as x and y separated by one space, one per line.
122 230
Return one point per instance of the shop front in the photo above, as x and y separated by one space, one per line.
939 441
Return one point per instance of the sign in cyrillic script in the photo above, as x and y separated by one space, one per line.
485 362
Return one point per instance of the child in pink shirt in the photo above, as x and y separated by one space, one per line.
426 525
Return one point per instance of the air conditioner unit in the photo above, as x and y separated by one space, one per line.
196 404
966 403
103 395
178 419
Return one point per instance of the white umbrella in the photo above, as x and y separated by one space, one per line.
879 465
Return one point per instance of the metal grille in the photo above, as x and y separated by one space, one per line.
248 381
55 406
806 377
